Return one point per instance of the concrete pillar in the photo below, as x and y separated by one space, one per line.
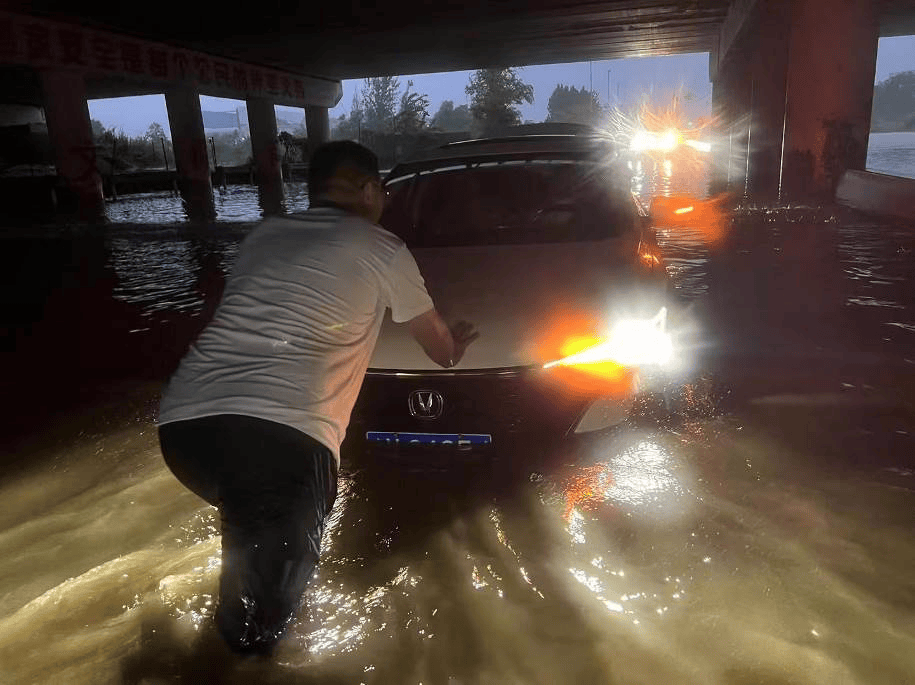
264 146
733 90
832 59
317 123
70 133
191 159
767 74
721 149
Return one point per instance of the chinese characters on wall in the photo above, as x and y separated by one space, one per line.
43 43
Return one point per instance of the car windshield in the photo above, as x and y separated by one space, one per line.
509 202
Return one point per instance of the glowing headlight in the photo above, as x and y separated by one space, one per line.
649 140
632 343
699 145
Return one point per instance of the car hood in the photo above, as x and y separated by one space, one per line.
526 301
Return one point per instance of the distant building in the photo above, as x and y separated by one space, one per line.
220 122
237 120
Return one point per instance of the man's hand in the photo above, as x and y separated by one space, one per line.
445 346
462 333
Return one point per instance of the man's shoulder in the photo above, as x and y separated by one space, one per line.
374 236
359 231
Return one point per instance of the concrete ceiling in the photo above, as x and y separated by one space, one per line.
350 40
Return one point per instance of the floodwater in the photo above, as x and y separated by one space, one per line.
233 203
892 153
760 533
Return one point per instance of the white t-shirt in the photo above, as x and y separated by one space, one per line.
293 335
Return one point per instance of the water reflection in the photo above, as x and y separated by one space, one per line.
160 276
644 475
233 203
892 153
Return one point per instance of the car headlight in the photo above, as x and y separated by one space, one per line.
631 343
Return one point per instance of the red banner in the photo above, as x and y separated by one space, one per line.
43 43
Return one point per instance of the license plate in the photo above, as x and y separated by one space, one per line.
443 439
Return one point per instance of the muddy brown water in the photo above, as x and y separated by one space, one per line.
762 533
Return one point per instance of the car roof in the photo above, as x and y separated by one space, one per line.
556 146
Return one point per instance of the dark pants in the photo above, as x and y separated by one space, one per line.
273 486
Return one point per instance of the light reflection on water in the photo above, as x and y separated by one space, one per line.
642 475
704 557
161 277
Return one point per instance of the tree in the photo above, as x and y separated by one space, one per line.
349 127
232 148
379 100
154 132
572 106
357 114
494 96
98 129
414 110
894 103
451 118
342 128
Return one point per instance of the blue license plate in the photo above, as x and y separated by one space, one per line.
443 439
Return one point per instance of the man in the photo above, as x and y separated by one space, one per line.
253 418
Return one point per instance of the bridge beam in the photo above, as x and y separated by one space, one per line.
115 65
191 159
264 147
70 133
796 87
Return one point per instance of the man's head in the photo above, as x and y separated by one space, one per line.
346 173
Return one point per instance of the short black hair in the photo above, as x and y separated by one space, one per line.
330 158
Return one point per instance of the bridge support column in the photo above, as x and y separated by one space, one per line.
796 92
317 123
731 106
832 62
70 132
191 159
262 123
721 148
766 77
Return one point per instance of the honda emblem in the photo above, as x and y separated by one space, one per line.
425 404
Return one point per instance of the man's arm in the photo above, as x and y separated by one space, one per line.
445 346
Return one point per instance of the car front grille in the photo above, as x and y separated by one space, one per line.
514 406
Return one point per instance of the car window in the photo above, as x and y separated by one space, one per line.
509 203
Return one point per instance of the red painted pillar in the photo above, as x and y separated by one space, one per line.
70 132
264 147
832 57
767 73
191 159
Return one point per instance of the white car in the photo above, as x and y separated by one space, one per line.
539 242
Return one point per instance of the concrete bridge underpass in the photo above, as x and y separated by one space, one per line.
792 80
